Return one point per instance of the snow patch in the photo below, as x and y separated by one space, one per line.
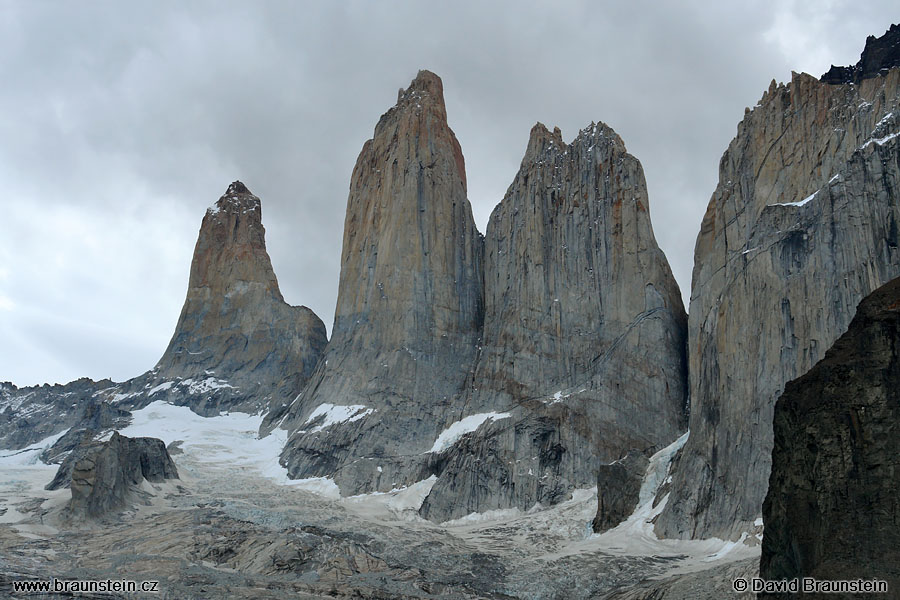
559 396
881 141
406 500
500 514
334 414
161 387
635 536
321 486
117 398
206 385
884 120
451 434
30 455
800 203
658 469
225 439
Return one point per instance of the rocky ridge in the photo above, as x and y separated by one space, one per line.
802 225
879 56
832 510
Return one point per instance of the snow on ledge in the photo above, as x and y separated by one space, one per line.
334 414
800 203
880 141
161 388
451 434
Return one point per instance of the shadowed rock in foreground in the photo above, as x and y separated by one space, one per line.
833 510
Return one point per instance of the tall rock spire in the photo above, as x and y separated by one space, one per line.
584 335
409 309
237 342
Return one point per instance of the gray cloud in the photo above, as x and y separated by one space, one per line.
120 123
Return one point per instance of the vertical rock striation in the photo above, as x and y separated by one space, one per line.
409 309
802 225
584 334
832 511
237 343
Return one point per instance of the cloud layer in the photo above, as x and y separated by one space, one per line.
121 122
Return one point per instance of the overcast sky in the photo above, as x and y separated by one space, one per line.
121 122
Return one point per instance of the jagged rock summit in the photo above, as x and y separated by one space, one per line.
832 511
409 309
878 57
802 225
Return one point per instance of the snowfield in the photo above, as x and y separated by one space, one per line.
224 463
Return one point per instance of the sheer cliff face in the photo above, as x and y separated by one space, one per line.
832 510
584 334
803 224
236 335
411 259
409 310
571 264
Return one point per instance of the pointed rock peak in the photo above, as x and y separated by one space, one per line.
541 140
425 84
236 199
599 132
236 187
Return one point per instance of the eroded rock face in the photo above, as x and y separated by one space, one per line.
832 511
237 344
584 334
409 309
103 479
803 225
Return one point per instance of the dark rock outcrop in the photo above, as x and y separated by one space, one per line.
584 334
104 478
803 225
409 309
878 57
832 511
618 489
